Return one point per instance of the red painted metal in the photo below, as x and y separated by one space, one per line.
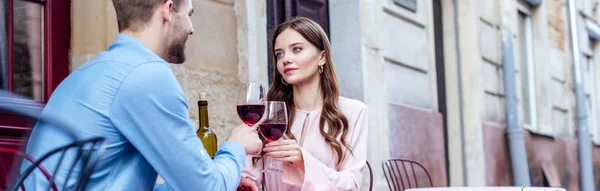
56 39
15 129
47 51
10 44
17 153
58 35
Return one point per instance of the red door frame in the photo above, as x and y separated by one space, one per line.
11 42
14 129
57 35
58 43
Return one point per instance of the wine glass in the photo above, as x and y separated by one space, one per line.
273 180
250 105
274 125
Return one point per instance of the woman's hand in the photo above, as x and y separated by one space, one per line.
246 184
285 150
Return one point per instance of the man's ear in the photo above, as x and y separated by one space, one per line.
166 9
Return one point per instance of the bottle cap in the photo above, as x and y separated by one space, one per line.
203 96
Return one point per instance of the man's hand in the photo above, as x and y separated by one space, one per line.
247 137
246 184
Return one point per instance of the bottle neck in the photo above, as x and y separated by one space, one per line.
203 115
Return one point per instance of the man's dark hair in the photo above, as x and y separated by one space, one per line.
133 14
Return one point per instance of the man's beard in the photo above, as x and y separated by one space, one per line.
176 51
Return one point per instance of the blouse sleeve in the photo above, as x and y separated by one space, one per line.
318 176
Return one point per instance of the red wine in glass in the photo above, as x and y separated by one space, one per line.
272 132
274 126
251 113
250 103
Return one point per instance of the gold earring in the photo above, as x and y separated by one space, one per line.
321 69
283 82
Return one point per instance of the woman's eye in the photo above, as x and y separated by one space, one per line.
297 49
279 55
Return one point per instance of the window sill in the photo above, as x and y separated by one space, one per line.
547 135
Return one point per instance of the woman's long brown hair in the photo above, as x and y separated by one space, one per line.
330 113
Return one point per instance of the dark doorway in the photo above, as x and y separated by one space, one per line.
278 11
440 71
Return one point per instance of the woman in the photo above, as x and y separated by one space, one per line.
325 146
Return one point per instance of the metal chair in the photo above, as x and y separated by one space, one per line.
18 154
370 176
397 174
81 155
88 153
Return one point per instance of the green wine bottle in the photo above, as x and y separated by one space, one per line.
205 133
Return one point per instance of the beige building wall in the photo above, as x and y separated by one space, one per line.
409 70
553 67
490 50
93 28
466 158
226 41
480 44
559 84
229 47
357 37
544 65
589 18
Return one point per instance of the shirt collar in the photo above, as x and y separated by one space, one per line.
124 40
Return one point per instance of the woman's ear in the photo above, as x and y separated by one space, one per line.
322 58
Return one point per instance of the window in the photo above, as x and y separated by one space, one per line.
34 46
407 4
34 53
34 58
590 56
591 98
26 52
3 46
590 85
527 70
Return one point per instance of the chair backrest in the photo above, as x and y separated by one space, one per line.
16 154
370 176
82 160
398 174
79 157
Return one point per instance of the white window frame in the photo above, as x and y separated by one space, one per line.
593 31
530 64
594 129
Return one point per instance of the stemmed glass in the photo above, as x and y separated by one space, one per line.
250 103
274 125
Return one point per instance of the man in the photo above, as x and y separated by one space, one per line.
130 96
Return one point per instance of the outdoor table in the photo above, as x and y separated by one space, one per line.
488 189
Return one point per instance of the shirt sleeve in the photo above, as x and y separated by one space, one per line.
151 112
318 176
252 170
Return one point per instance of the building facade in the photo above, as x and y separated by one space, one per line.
430 72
